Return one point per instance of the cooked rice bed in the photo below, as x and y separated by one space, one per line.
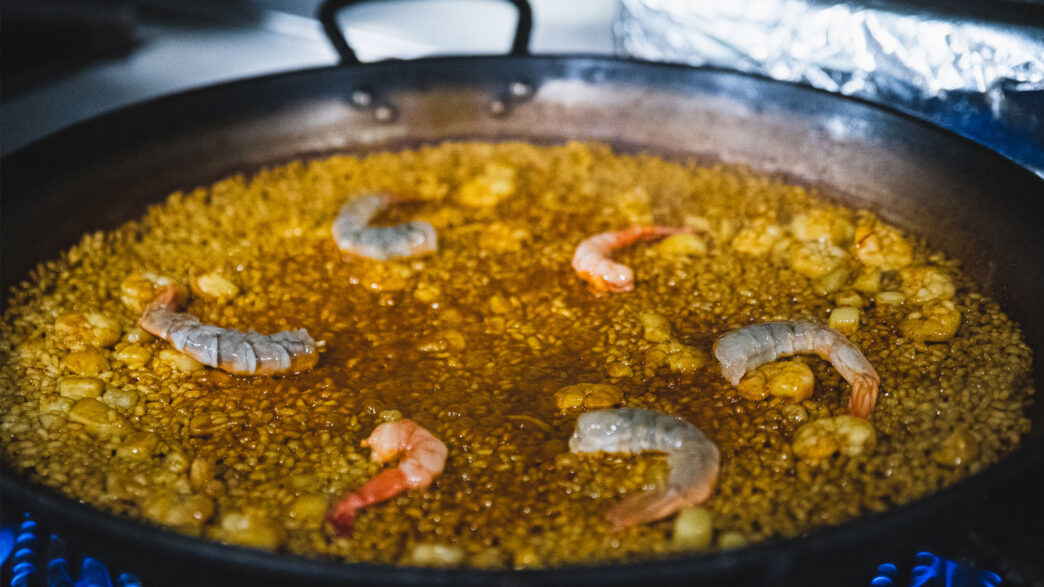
472 343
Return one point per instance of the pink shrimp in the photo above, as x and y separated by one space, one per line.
745 349
592 263
424 459
240 353
694 460
352 231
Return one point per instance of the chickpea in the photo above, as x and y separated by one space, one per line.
936 321
249 528
98 418
693 529
846 434
757 239
84 330
214 286
496 183
137 290
816 260
122 398
55 404
959 448
591 396
655 327
787 379
88 362
879 245
188 513
138 445
80 387
678 357
682 245
133 355
309 508
436 555
922 284
618 370
824 225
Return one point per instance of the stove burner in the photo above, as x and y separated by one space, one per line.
25 572
934 571
19 544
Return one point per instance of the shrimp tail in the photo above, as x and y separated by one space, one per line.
864 396
168 299
342 516
380 488
646 507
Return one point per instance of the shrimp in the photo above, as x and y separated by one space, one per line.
352 233
236 352
694 460
425 457
592 263
745 349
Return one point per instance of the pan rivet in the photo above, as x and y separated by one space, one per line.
384 113
362 99
520 90
498 107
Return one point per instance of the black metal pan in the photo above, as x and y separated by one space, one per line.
967 200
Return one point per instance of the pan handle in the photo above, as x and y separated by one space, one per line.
330 8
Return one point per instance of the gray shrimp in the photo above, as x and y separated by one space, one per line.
240 353
353 234
745 349
694 460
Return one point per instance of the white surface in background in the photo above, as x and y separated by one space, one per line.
173 58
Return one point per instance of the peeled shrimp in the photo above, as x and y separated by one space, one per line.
745 349
240 353
352 233
694 460
425 457
592 263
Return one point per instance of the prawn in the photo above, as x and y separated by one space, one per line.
425 457
240 353
694 460
353 234
745 349
592 263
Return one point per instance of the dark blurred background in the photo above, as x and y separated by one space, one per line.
67 60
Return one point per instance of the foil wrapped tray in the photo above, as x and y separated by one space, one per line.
977 70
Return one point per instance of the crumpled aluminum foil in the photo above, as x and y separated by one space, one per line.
982 79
